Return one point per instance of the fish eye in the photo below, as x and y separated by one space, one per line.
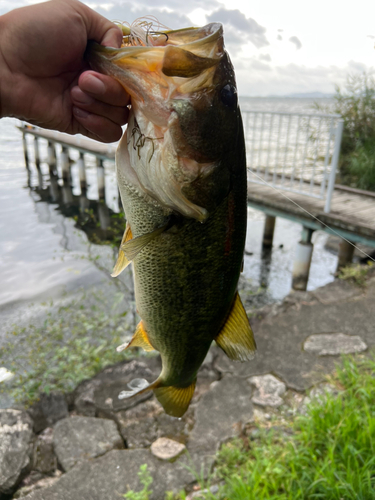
228 95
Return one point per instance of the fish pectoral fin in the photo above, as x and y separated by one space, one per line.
175 400
180 62
132 248
236 338
139 339
122 261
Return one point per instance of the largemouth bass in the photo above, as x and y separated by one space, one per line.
181 171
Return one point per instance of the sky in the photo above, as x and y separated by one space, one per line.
277 47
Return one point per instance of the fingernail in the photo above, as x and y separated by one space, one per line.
81 97
80 113
94 85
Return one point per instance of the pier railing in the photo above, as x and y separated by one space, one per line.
294 152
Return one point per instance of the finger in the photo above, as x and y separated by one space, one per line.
99 28
97 127
104 88
117 114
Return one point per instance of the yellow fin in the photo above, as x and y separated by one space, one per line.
139 339
236 337
122 261
175 400
132 248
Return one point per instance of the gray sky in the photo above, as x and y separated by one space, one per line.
277 47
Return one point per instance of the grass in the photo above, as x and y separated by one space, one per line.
356 273
329 453
73 343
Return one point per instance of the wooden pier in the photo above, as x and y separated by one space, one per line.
352 213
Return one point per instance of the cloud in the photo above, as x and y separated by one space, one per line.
265 57
296 42
239 29
257 78
279 37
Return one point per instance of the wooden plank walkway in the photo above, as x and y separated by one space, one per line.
80 143
352 214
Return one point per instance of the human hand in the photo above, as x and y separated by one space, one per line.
44 78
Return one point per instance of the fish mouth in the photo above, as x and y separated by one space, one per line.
159 70
187 56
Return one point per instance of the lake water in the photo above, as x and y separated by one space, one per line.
43 254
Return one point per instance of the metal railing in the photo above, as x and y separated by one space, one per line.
294 152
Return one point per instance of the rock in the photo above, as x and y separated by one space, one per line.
41 482
142 425
80 438
112 475
48 410
16 437
44 459
99 395
167 449
318 394
220 414
332 344
268 390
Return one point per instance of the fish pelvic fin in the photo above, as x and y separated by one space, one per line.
175 400
132 248
122 261
139 339
236 338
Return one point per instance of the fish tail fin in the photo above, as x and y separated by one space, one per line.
175 400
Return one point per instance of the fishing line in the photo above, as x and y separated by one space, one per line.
311 215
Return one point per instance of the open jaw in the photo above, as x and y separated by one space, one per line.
174 66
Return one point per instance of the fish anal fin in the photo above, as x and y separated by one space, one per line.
122 262
175 400
132 248
138 386
140 338
236 338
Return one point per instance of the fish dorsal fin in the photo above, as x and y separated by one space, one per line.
132 248
122 261
236 337
183 63
139 339
175 400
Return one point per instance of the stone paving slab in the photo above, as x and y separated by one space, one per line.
280 338
220 414
110 476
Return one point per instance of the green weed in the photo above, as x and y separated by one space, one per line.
329 453
73 343
146 480
355 273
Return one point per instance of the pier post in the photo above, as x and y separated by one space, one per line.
82 172
302 261
37 162
346 253
51 159
269 228
65 165
101 180
25 153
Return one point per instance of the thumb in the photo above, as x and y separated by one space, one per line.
101 29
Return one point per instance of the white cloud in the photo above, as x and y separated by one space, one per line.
296 41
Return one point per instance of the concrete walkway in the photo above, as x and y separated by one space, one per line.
299 342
